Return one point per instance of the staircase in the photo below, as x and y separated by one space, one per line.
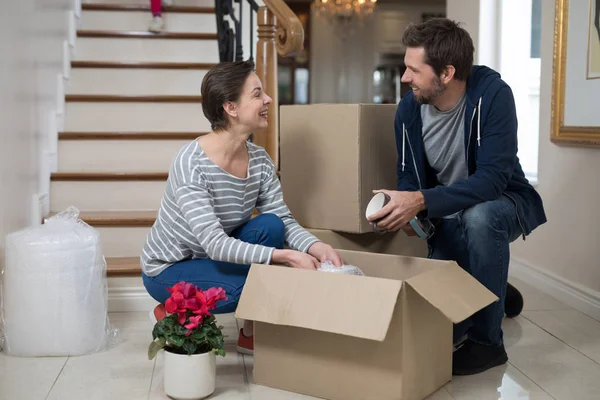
133 100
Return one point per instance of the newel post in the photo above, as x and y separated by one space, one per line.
266 69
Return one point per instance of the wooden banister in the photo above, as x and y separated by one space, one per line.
279 32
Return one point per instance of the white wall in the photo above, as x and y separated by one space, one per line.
327 54
32 33
467 12
568 245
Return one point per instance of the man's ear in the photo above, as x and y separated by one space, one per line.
448 74
231 109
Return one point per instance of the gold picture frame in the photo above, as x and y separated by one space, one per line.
568 135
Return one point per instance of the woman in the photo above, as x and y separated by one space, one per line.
157 24
204 233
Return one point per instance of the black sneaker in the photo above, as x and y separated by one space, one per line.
513 304
472 358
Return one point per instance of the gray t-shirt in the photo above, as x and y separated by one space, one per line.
443 138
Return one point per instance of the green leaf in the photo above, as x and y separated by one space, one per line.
220 352
179 330
190 347
176 341
155 347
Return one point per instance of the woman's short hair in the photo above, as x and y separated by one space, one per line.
221 84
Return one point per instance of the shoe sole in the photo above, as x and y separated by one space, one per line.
245 351
500 360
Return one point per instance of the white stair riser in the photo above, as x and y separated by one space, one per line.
135 82
117 155
199 3
106 195
135 117
139 21
123 241
147 50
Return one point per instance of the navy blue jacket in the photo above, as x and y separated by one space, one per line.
490 140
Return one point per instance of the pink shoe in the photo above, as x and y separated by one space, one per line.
158 313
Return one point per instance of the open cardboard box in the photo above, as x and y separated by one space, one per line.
383 336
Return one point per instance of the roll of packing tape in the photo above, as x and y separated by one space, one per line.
423 228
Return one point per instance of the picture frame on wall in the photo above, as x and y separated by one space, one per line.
576 73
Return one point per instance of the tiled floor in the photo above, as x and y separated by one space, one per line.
554 353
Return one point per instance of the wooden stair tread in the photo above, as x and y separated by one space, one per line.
105 98
123 266
141 7
140 65
108 176
130 135
119 218
89 33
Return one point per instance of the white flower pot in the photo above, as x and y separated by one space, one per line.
189 377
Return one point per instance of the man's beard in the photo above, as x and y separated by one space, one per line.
428 96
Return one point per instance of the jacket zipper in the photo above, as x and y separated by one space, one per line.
470 133
414 162
517 212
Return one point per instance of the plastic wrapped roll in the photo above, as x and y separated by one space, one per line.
54 290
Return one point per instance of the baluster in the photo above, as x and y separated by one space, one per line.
266 69
239 50
251 34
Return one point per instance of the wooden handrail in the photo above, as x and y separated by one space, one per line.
290 33
279 31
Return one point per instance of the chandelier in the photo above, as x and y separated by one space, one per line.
345 15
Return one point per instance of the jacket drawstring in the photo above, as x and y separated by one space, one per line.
479 123
403 145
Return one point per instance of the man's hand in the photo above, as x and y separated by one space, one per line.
402 207
324 252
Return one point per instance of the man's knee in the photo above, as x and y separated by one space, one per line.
487 217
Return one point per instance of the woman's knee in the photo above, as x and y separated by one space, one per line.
274 227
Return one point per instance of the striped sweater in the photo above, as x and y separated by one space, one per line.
203 204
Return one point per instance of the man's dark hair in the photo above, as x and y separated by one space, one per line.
224 82
445 43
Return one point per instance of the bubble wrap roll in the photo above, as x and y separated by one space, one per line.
55 290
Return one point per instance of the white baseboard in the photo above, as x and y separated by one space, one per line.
129 299
577 296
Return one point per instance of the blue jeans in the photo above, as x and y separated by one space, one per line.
266 229
478 240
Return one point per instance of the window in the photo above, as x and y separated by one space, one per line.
519 58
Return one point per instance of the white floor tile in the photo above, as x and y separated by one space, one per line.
441 394
504 382
560 370
535 299
122 372
28 378
572 327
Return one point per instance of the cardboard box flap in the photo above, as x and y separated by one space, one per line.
356 306
453 291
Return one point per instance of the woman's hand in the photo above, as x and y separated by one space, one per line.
324 252
295 259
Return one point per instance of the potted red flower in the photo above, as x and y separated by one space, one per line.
191 340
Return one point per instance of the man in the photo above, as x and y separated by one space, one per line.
456 135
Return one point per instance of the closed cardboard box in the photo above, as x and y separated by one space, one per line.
383 336
396 243
332 158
